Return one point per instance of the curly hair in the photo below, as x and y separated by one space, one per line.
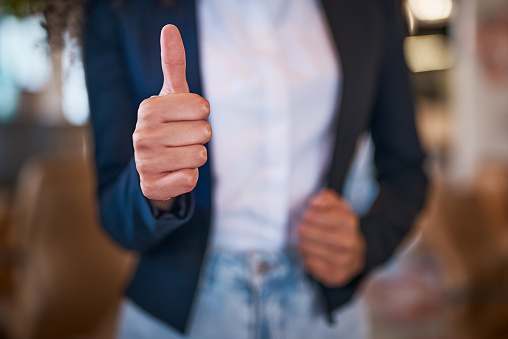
62 17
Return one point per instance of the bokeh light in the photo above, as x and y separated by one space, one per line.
431 10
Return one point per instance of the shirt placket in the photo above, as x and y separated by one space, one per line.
275 115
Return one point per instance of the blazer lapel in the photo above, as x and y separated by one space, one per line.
357 32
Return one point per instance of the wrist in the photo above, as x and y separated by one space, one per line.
163 205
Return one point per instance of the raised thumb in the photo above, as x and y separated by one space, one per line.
173 61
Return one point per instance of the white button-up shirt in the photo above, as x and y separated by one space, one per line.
271 73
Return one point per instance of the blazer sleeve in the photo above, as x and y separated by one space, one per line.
125 213
398 155
398 158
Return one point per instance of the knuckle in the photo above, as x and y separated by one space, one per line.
348 246
337 280
154 189
145 108
205 107
147 189
202 105
144 139
207 130
135 138
143 168
189 180
143 105
201 154
333 279
138 140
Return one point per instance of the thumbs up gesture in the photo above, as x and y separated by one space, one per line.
171 130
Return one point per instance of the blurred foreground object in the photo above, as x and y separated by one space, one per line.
454 282
21 141
71 277
60 276
39 84
406 301
480 87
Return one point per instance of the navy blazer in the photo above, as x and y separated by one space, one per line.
122 62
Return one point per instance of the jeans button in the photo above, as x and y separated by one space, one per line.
263 267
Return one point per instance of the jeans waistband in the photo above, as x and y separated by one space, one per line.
253 268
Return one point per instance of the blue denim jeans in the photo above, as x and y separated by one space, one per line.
252 295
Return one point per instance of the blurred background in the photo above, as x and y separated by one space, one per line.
60 277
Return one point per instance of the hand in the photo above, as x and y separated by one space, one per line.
331 242
171 130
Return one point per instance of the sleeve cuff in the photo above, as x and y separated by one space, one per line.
181 209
